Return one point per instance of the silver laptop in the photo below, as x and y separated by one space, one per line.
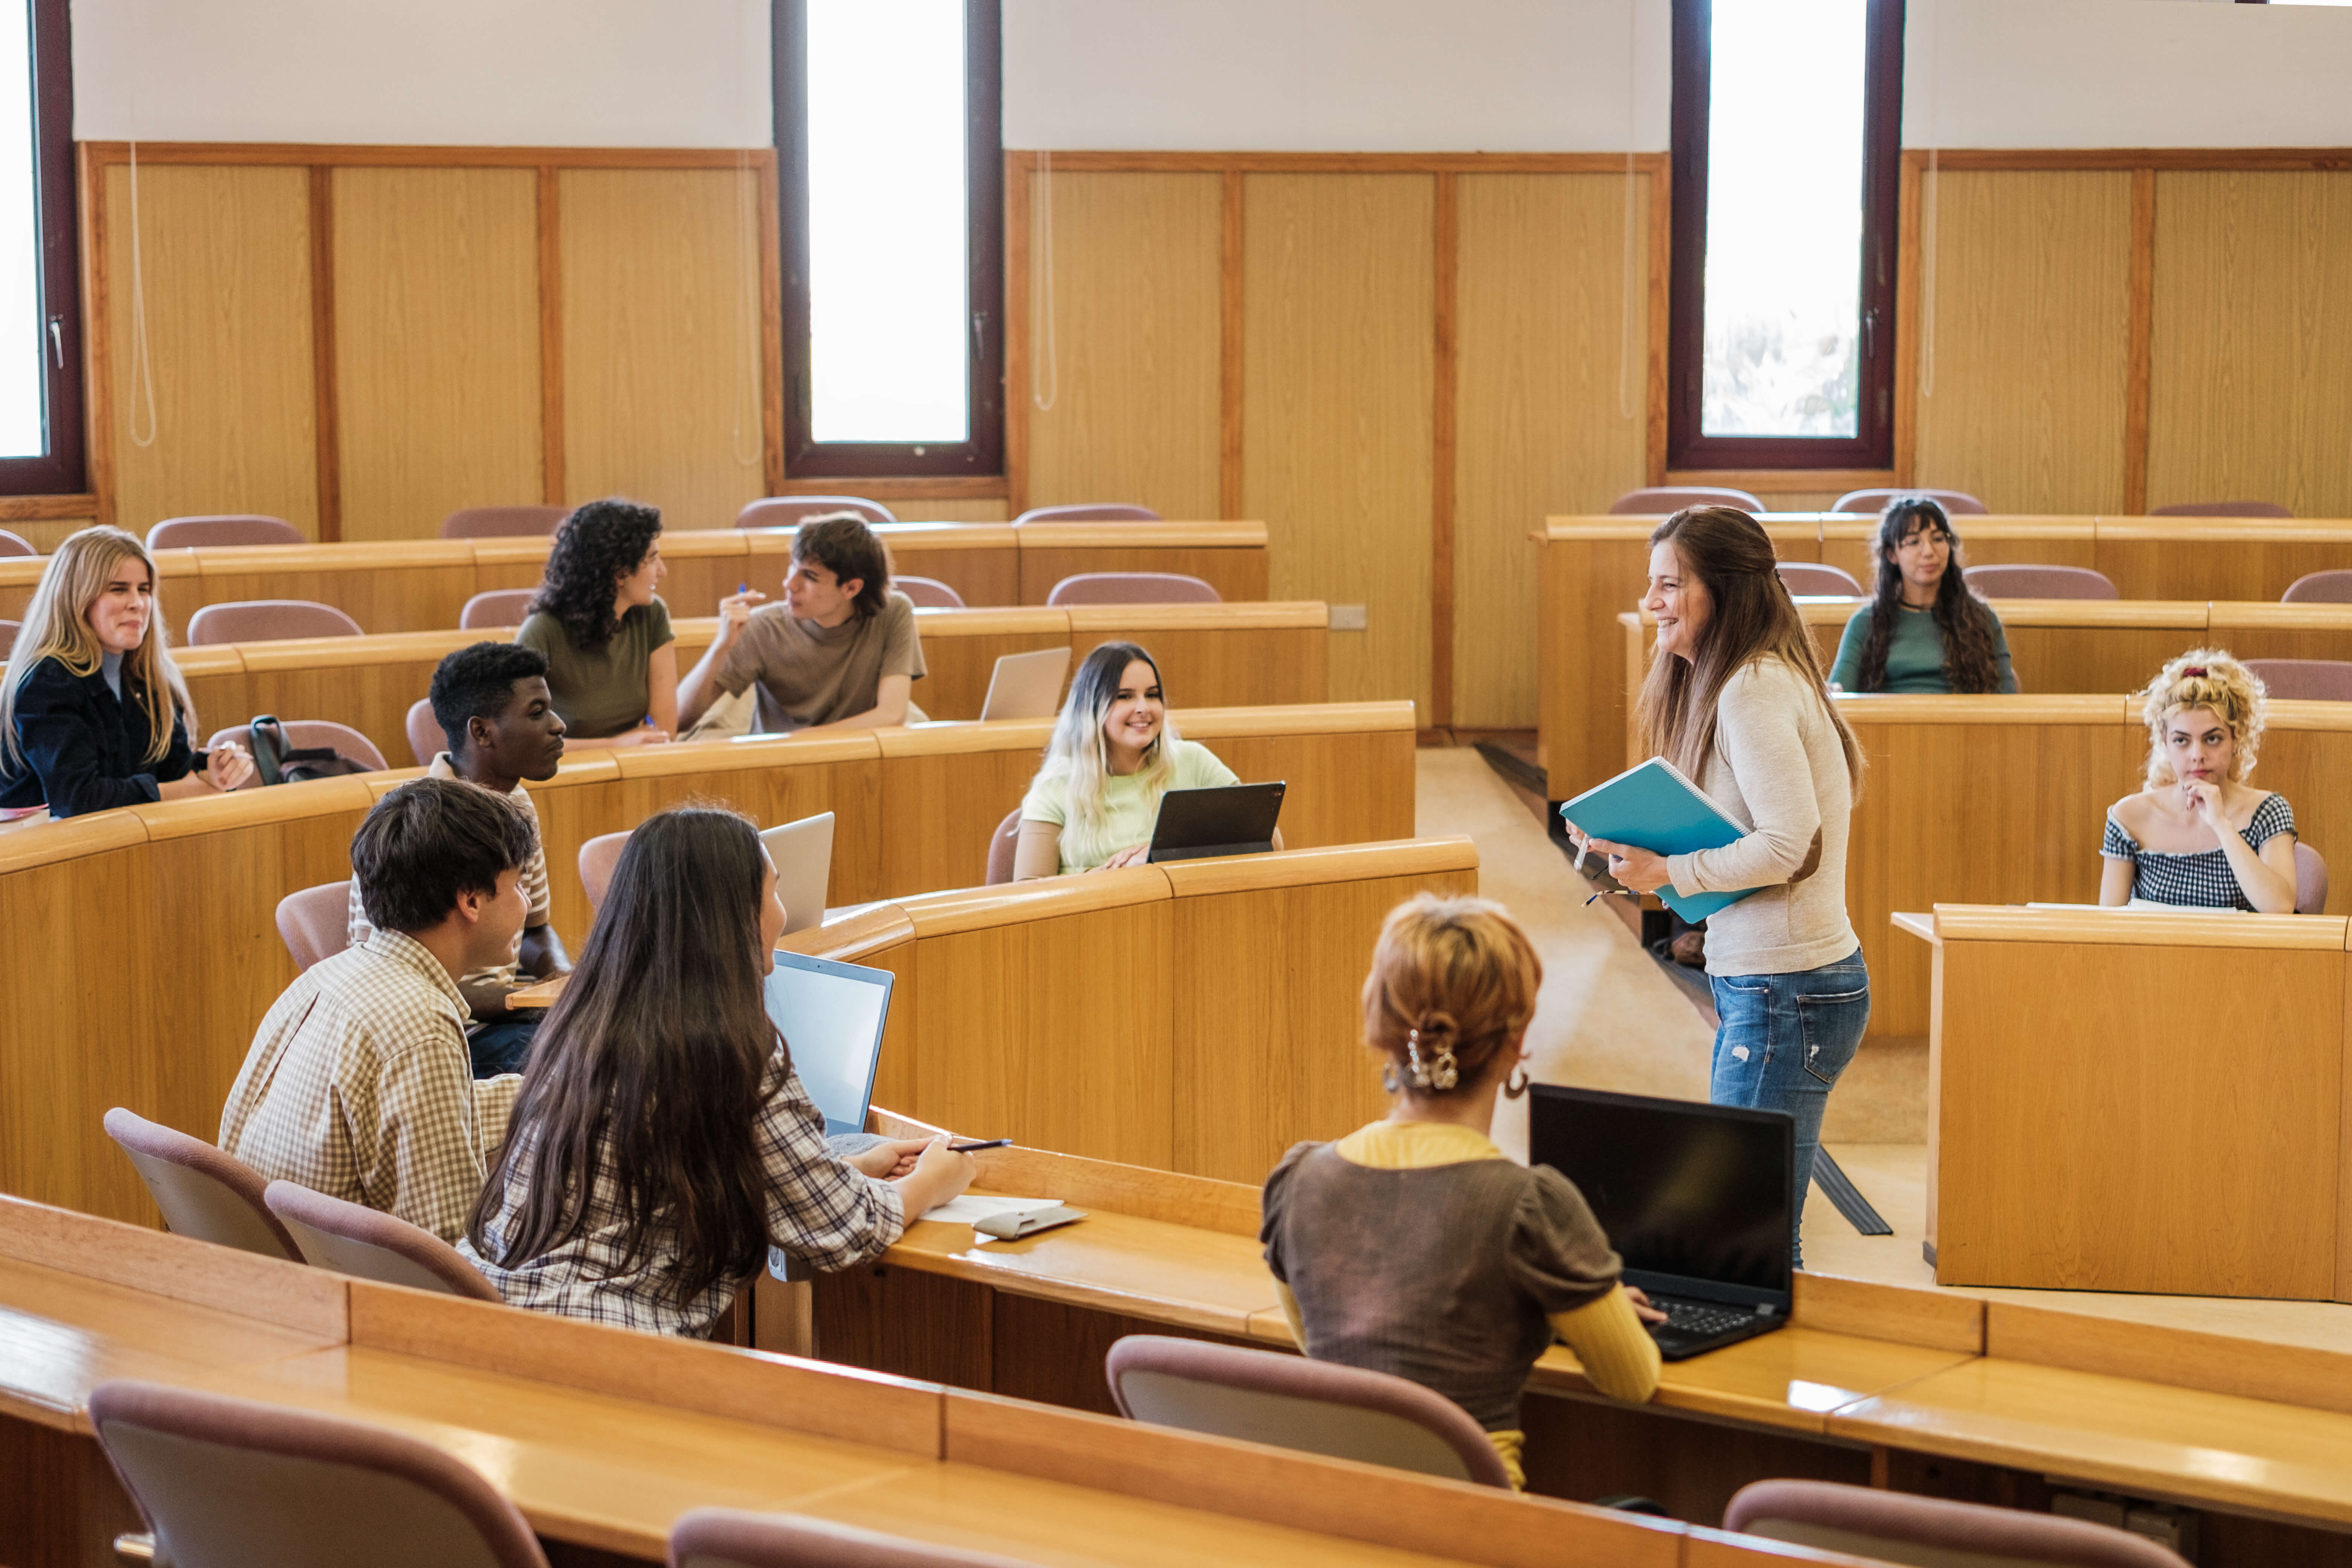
832 1017
1026 685
802 852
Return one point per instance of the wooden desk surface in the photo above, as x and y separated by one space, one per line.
1795 1378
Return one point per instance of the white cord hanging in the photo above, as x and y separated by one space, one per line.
1043 345
1928 224
1627 402
142 363
746 321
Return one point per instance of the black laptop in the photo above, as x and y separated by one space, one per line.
1233 819
1695 1198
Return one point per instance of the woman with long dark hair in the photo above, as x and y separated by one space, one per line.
1736 699
662 1142
611 662
1925 630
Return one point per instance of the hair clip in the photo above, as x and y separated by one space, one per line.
1440 1074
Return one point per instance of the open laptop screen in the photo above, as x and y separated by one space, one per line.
1685 1191
832 1017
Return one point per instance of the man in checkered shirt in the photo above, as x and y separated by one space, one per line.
359 1084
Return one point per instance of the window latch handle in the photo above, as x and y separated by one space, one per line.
57 340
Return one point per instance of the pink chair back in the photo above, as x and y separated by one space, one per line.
352 1239
727 1537
598 857
1131 588
1659 499
426 737
2040 583
304 734
222 529
2221 508
8 630
928 593
1089 511
503 522
316 923
1812 578
1897 1527
1001 845
784 511
225 1481
2319 588
1955 503
15 544
1319 1407
202 1192
2310 881
496 608
269 620
2304 679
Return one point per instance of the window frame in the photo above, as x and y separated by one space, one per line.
1872 445
982 453
63 471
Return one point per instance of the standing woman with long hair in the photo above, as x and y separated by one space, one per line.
662 1141
1736 699
94 713
1925 630
612 662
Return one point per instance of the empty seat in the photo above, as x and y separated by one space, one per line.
496 608
2319 588
784 511
928 593
728 1538
8 630
316 923
598 857
222 529
2221 508
1089 511
308 734
1896 1527
2312 679
1662 499
15 544
269 620
225 1480
2040 583
503 522
425 736
1131 588
352 1239
1001 845
2310 881
1319 1407
1955 503
202 1192
1812 578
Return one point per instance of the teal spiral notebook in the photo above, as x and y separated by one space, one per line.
1652 807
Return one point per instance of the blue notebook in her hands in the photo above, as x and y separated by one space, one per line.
1652 807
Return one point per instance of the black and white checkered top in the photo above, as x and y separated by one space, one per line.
2202 880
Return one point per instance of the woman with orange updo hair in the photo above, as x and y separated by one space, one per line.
1413 1245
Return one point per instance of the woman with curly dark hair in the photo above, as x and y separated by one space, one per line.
1925 631
611 663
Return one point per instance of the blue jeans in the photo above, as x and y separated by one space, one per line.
1784 1040
503 1046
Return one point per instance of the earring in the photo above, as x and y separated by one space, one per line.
1516 1084
1389 1078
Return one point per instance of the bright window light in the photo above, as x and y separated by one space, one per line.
22 380
889 322
1784 165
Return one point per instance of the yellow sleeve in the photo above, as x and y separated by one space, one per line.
1290 1314
1619 1357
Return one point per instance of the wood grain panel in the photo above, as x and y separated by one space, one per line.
436 344
941 812
1343 789
2032 318
1582 712
1540 429
2250 379
225 258
2086 658
1205 666
1340 332
659 278
1133 374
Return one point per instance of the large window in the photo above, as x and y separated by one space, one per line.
889 157
40 312
1786 136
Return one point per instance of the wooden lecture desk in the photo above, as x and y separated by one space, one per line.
421 585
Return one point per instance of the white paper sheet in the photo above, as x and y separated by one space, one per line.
973 1207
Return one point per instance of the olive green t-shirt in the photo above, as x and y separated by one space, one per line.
600 692
809 675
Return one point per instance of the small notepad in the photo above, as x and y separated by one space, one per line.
973 1207
1652 807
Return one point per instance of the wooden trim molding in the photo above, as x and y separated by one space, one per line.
46 509
2142 338
1018 167
96 343
1443 269
763 174
2131 158
1141 161
1660 167
1230 366
901 487
336 155
550 336
1784 481
327 417
1910 320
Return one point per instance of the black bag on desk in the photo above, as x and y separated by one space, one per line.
278 763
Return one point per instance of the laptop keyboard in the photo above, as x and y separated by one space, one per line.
1700 1319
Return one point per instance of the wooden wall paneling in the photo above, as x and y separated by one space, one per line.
2143 330
1542 431
436 344
2027 411
2250 382
548 220
1133 345
1343 789
1444 258
225 261
324 378
1020 316
2093 659
660 277
1231 365
1582 590
1339 385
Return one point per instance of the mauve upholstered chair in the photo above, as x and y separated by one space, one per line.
233 1483
1089 511
1001 846
2319 588
1955 503
1319 1407
928 593
316 923
352 1239
503 522
8 630
1659 499
202 1192
269 620
307 734
1812 577
1132 588
15 544
222 529
2310 881
2304 679
2221 508
783 512
426 737
2006 581
728 1538
496 608
1897 1527
598 856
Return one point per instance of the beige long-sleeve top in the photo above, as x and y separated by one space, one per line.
1778 769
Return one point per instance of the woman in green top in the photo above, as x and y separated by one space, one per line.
611 663
1113 755
1925 631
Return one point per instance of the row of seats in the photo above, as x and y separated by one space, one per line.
2021 581
1657 498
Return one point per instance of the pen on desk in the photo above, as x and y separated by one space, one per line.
972 1148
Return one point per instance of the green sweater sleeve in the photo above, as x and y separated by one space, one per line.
1846 673
2008 681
